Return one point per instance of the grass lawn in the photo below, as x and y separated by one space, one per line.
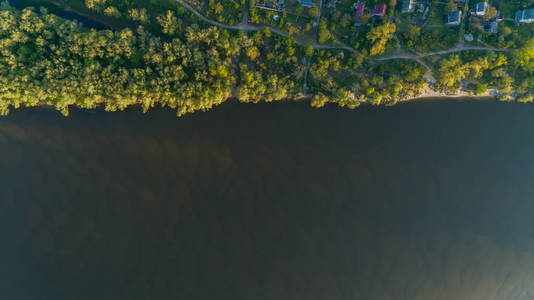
436 15
297 26
509 8
223 11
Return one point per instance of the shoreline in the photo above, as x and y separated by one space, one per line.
430 93
301 99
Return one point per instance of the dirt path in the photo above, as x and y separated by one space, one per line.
244 26
453 50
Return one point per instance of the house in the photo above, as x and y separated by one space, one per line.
492 27
360 9
480 9
306 3
331 3
407 6
454 18
379 10
524 16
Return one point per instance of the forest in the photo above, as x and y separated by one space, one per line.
189 66
48 60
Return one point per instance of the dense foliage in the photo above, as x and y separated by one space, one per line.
164 57
349 80
46 59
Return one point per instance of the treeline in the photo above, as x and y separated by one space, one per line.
45 59
225 11
510 73
349 79
48 60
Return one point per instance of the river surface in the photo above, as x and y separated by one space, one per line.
53 9
426 200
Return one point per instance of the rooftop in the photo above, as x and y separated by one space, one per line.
454 17
379 10
481 7
359 10
527 14
307 3
407 5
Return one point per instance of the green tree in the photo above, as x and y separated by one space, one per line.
491 13
451 6
319 100
480 88
112 11
451 71
346 20
524 58
139 15
308 50
379 36
170 24
313 12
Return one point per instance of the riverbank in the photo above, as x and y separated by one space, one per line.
431 93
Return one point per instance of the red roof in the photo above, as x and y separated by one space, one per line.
379 10
359 10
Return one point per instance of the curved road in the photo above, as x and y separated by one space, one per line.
244 26
247 27
453 50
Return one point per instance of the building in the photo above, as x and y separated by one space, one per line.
360 9
454 18
331 3
524 16
306 3
379 10
493 27
407 6
459 3
480 9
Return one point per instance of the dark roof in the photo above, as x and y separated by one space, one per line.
407 5
481 7
308 3
454 16
526 14
359 10
380 9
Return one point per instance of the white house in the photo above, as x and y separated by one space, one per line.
454 18
481 8
524 16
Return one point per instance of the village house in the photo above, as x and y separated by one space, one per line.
407 6
524 16
379 10
360 9
306 3
331 3
454 18
459 3
492 27
480 9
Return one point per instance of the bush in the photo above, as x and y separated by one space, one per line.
481 88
